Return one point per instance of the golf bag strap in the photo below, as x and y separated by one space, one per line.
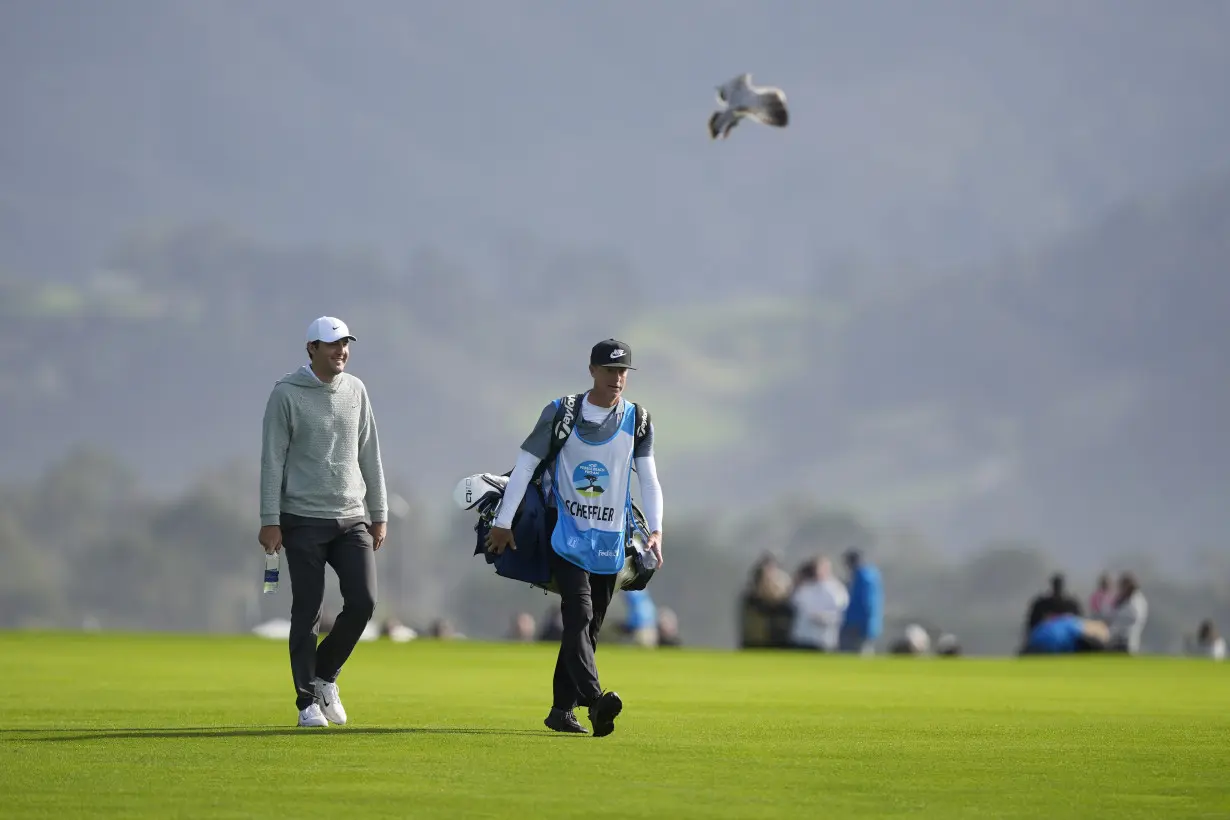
642 424
566 416
561 428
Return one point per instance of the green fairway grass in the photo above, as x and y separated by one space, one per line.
173 726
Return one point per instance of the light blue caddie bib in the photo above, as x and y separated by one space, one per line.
592 484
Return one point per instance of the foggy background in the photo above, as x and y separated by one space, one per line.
968 312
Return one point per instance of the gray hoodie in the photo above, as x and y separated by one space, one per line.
320 456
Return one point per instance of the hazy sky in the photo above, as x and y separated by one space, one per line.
927 132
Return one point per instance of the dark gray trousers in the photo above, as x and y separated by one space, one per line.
584 598
310 545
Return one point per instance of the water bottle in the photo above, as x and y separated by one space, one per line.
271 572
648 559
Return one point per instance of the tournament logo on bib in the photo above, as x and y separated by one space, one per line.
591 478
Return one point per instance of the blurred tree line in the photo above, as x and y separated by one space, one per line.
84 546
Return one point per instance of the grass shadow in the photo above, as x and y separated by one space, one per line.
214 732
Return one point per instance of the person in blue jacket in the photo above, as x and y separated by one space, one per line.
641 620
864 618
1063 634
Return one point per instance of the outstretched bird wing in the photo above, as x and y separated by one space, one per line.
770 108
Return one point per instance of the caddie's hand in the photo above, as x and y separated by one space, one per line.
654 545
378 529
498 539
270 538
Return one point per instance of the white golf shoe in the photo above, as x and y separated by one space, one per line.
312 716
329 701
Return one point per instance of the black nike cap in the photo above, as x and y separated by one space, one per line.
611 353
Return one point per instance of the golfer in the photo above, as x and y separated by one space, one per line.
323 499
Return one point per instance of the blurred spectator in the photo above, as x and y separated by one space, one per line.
396 631
1128 619
521 628
1102 602
443 629
766 613
915 641
278 628
819 602
668 628
641 619
864 617
1048 605
1066 633
1208 644
948 646
552 625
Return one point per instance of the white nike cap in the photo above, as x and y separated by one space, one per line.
328 329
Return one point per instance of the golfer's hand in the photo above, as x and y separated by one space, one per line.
378 529
270 538
654 545
498 538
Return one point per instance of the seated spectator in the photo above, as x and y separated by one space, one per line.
1131 612
915 641
1208 644
766 613
521 628
443 629
1102 602
948 646
396 631
819 601
552 625
668 628
1062 634
1048 605
641 619
864 617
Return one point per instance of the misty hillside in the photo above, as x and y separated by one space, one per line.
923 135
1051 396
1077 395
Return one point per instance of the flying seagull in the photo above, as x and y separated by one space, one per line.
764 104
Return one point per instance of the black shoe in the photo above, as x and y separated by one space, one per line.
561 721
603 713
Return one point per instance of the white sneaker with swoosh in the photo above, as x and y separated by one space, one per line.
312 716
329 701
